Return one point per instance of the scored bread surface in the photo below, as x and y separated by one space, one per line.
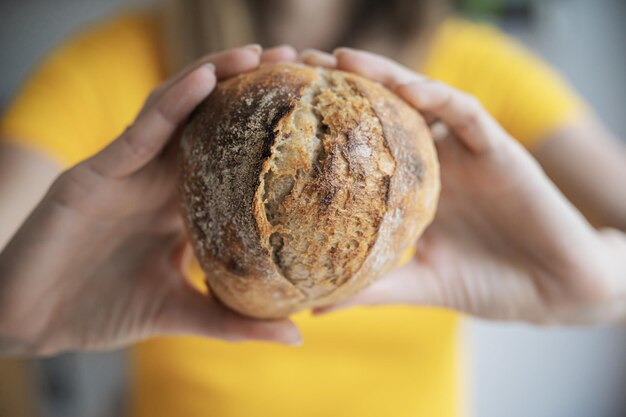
302 185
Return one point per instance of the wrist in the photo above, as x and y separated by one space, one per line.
596 289
20 327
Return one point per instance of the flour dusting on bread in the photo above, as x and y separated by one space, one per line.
301 185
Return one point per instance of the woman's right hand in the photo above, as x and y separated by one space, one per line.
100 261
505 244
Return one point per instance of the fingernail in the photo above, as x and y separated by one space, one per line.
342 49
254 47
294 339
283 45
210 67
318 58
309 52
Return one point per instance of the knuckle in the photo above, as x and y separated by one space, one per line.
136 145
173 105
163 110
469 121
67 191
471 113
194 77
154 94
446 99
73 189
472 101
149 102
200 78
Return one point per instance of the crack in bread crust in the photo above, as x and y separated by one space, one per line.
326 186
300 186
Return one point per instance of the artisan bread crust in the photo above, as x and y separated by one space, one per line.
300 186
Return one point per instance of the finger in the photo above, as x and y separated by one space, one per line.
282 53
318 58
384 292
235 61
375 67
226 63
429 118
439 131
402 287
183 256
191 313
153 128
461 112
170 156
369 297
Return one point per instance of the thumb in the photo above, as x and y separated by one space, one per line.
407 285
189 312
155 125
384 292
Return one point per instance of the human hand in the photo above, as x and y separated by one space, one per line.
100 262
505 243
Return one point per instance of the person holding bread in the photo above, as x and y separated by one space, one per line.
100 261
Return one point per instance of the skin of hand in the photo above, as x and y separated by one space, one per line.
597 189
505 243
100 261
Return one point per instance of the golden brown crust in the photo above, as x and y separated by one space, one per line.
300 186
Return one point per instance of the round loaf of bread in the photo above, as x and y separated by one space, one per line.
302 185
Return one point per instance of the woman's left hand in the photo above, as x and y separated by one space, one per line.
505 243
100 263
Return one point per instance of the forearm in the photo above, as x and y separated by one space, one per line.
588 164
12 341
615 243
24 179
25 263
13 325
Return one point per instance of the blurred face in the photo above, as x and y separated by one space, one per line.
307 23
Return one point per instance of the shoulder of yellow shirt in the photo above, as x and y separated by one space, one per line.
90 87
87 90
527 97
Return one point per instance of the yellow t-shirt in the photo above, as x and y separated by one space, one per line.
395 361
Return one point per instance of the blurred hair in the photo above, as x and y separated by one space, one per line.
192 28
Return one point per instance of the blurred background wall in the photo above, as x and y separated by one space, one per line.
514 370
